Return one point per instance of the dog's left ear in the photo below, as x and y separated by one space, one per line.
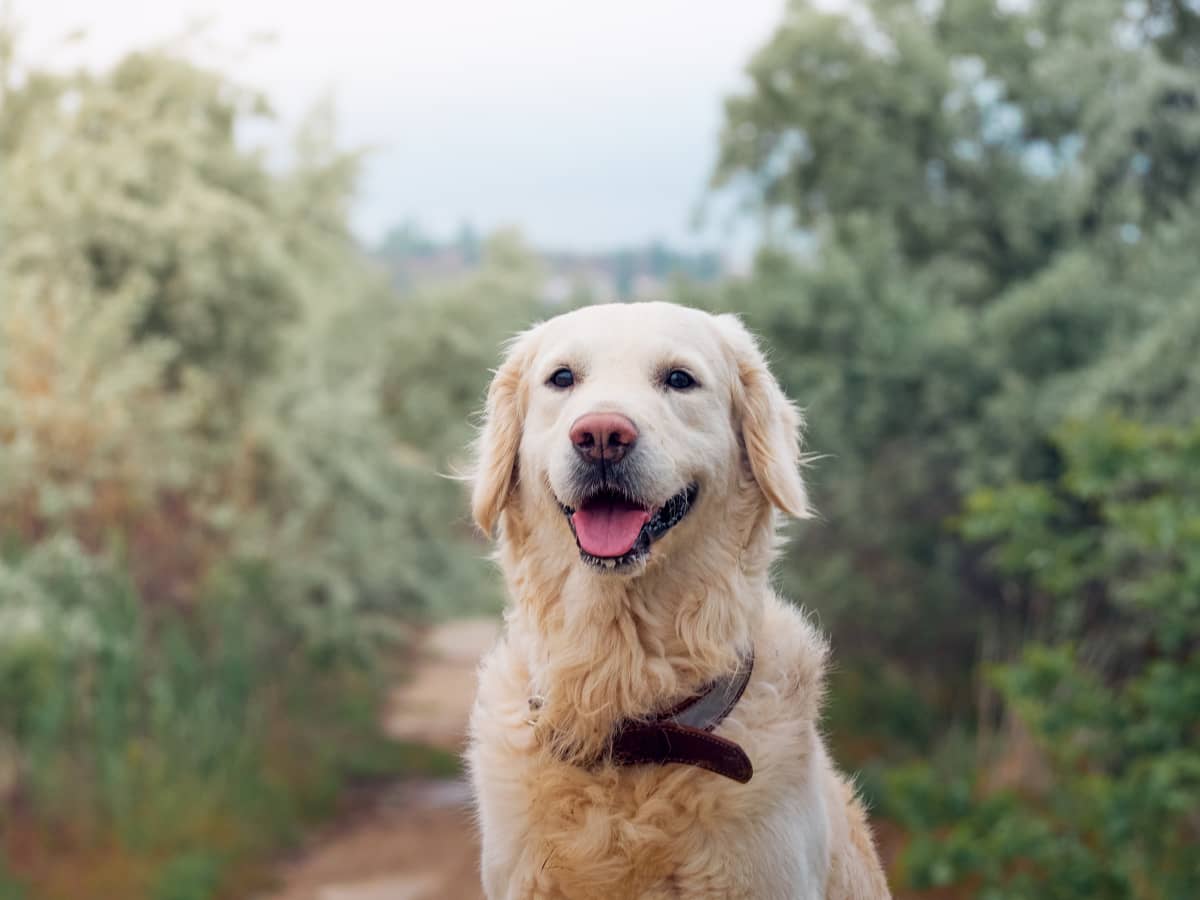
495 474
771 424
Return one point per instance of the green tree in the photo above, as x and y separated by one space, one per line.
994 331
996 199
986 135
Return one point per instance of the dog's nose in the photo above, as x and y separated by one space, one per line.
603 437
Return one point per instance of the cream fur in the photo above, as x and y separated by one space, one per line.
599 646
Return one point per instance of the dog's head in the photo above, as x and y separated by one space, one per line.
627 423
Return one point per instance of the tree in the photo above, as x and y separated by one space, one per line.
222 437
996 200
987 136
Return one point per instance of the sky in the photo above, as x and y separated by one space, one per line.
587 125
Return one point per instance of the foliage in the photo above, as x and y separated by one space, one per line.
968 287
221 491
438 361
987 135
153 737
991 316
1112 705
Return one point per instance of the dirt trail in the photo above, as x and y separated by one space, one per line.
415 840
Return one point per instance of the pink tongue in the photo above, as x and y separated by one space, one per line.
609 528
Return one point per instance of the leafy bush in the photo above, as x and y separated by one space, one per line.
1110 693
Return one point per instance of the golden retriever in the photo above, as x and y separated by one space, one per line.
633 460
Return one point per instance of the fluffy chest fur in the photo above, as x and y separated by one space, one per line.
555 829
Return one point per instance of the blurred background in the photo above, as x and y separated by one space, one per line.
257 259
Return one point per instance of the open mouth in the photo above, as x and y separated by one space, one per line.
614 530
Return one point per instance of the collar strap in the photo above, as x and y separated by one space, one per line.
683 734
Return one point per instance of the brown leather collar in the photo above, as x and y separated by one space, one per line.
683 734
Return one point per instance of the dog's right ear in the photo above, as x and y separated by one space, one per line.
495 474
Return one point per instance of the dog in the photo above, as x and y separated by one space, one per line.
647 725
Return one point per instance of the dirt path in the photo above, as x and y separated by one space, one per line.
415 840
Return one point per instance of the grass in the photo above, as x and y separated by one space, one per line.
10 889
174 751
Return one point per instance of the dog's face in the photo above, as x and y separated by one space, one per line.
631 422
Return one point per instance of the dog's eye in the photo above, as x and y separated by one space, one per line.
679 380
562 378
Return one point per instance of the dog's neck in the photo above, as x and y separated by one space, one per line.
605 647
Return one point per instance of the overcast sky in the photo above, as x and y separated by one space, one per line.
587 124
